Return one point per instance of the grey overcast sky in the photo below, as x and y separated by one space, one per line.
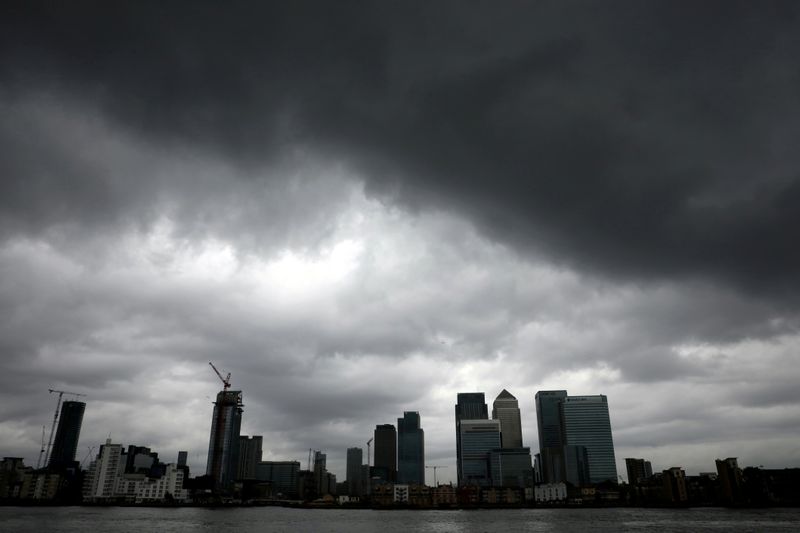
364 208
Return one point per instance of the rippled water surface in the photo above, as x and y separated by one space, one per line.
265 519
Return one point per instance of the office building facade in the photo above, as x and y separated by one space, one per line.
410 449
283 475
506 409
477 440
355 459
223 447
576 445
586 422
385 459
469 406
511 467
249 456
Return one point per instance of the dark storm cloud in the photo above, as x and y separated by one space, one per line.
641 139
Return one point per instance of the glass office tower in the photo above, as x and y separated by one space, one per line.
410 449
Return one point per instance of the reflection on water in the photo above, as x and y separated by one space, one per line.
266 519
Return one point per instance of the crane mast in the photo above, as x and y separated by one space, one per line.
435 467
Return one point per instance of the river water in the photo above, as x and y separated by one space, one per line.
267 519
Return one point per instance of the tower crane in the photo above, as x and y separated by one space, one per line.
435 467
89 453
226 381
61 393
41 452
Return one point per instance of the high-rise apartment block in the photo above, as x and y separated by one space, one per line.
67 434
223 447
506 409
410 449
638 470
469 406
100 482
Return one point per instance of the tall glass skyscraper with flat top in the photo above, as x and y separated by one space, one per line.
478 439
469 406
386 452
586 423
223 445
410 449
548 418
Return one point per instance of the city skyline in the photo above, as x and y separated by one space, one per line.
576 433
361 210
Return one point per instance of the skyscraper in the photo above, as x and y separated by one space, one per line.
355 456
548 418
249 456
575 438
223 446
478 439
410 449
386 452
469 406
67 435
586 423
506 409
551 443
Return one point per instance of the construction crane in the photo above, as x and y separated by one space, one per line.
61 393
226 381
435 467
41 451
216 460
89 453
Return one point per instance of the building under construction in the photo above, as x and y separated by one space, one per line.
67 435
223 445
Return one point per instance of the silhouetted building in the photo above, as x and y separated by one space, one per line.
469 406
410 449
576 465
511 467
283 475
638 470
140 460
183 456
355 458
575 439
729 476
67 434
223 447
551 439
478 438
386 452
506 409
249 456
586 422
674 480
